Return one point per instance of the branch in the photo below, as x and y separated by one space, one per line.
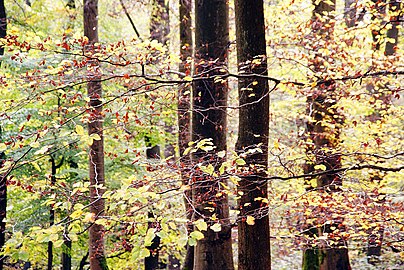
130 20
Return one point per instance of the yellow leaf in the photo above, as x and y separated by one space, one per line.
320 167
250 220
216 227
95 137
3 147
201 225
79 130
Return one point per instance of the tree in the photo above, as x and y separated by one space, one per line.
184 114
323 143
214 251
54 167
253 237
3 24
391 40
3 177
95 129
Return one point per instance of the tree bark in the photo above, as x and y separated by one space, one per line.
3 24
375 239
395 9
350 13
321 109
184 116
96 151
253 133
160 23
214 251
3 206
3 178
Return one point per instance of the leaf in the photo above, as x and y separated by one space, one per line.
201 225
79 130
313 183
95 137
3 147
216 227
149 237
192 242
144 252
34 144
321 167
250 220
196 235
221 154
240 162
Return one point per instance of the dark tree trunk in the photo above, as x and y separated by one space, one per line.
214 251
54 167
3 206
3 178
321 108
3 24
253 240
392 33
159 25
96 152
184 115
395 9
350 13
67 253
379 7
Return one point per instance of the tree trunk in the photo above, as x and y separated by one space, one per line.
250 34
3 178
66 253
3 206
350 13
3 24
214 251
184 116
321 108
160 23
96 152
395 9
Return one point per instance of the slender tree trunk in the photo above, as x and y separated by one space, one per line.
3 178
3 206
184 115
253 240
379 13
209 122
66 253
321 108
350 13
160 23
96 152
395 11
3 24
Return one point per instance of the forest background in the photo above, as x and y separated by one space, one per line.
183 171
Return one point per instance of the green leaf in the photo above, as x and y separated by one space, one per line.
79 130
196 235
149 237
201 225
216 227
240 162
